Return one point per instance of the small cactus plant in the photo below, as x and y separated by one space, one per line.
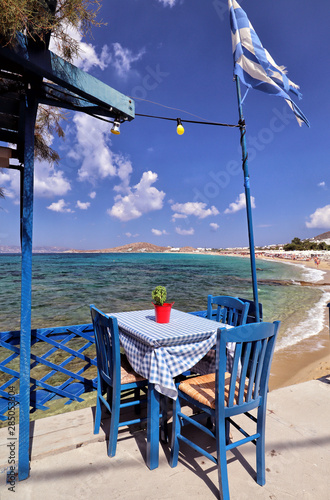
159 295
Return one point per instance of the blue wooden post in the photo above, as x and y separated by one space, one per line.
248 200
34 63
31 106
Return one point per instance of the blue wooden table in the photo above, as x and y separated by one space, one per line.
160 352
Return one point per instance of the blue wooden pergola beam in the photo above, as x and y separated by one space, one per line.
48 65
53 96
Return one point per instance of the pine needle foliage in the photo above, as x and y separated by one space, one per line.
38 19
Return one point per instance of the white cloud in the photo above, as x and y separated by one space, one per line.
91 148
168 3
214 226
159 232
141 199
322 185
119 57
198 209
124 170
179 216
185 232
92 195
83 205
10 181
123 58
239 204
130 235
60 206
48 181
320 218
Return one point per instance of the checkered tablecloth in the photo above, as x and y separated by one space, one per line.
160 352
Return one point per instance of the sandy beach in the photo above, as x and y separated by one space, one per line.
310 359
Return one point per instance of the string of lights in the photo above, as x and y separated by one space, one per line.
180 129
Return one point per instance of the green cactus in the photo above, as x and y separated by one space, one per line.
159 295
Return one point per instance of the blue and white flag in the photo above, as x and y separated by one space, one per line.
255 66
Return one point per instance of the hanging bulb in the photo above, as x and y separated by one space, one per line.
179 128
116 127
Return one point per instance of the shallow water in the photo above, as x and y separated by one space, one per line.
65 284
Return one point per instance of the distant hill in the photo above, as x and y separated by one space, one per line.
17 249
140 247
187 249
322 237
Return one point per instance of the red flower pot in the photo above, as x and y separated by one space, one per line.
162 313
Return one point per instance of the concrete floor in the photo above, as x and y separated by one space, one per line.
70 462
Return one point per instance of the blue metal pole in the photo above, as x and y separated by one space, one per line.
31 106
248 200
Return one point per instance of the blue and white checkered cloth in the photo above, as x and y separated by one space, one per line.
161 351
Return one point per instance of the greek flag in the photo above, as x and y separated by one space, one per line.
255 66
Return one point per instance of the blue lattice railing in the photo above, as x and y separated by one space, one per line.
63 365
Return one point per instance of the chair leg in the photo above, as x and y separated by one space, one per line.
163 422
222 459
260 448
114 423
97 414
176 429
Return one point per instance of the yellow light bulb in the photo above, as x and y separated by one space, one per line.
180 129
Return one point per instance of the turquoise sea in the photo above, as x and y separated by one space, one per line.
65 284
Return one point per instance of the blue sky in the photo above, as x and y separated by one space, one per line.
150 184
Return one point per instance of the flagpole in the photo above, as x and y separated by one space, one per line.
248 199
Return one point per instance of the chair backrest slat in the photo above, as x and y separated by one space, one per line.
230 316
222 315
261 358
234 374
244 369
252 368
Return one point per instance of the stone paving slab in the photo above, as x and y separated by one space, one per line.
70 462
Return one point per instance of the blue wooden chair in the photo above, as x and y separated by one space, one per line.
223 396
114 375
252 317
229 310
